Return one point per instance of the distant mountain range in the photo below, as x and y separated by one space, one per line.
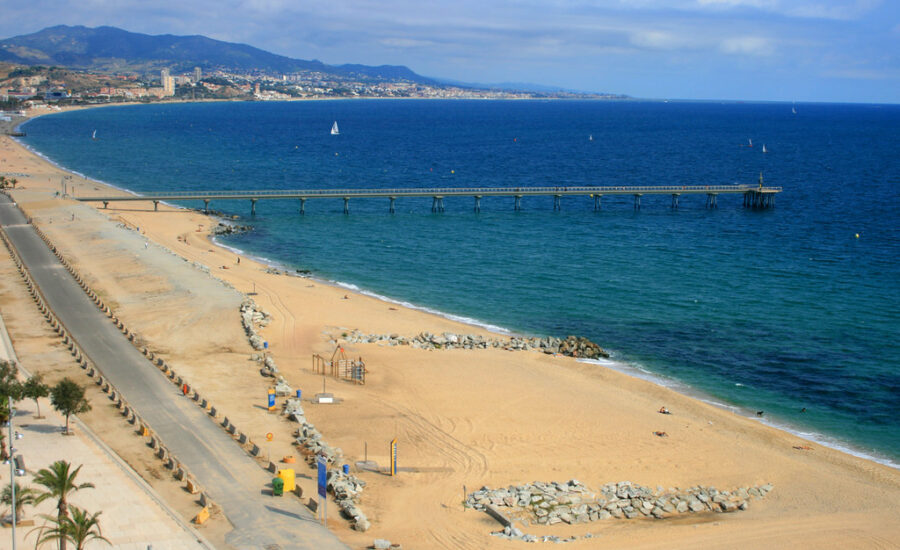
110 49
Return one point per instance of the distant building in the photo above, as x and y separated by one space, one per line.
168 84
256 88
198 74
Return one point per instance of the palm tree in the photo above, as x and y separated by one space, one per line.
82 528
59 481
24 496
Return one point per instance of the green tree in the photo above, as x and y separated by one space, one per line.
9 387
25 496
58 482
80 529
67 397
34 388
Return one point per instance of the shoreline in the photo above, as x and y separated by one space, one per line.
619 365
463 417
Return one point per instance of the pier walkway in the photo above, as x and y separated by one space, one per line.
754 196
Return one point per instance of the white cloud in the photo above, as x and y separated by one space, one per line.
750 45
659 40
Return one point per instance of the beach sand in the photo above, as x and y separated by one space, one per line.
462 418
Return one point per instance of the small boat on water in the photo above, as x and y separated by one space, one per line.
94 135
591 137
793 109
334 129
750 143
764 148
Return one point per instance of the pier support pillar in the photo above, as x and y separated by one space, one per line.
675 201
557 202
252 207
155 206
712 200
518 204
206 206
637 201
597 202
440 204
302 206
477 203
105 204
346 205
392 204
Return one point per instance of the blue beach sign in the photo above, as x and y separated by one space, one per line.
323 474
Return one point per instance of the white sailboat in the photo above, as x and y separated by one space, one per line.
793 109
750 141
764 148
334 129
591 137
94 135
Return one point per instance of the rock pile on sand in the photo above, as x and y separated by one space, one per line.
346 488
251 318
572 502
573 346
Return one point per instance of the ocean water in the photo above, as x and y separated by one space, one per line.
775 310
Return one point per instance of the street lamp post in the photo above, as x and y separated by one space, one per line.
12 471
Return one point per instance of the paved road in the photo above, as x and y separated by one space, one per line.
233 480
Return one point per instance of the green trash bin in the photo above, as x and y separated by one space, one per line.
277 486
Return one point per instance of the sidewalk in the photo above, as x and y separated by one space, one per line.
133 517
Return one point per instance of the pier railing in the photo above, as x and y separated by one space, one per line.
756 196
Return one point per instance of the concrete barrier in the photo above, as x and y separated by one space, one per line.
255 450
191 486
272 467
497 515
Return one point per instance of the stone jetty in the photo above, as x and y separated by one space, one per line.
573 346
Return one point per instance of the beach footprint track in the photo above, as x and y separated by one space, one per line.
460 457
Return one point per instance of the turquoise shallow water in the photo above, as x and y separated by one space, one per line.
775 310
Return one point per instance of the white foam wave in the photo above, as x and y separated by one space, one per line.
638 371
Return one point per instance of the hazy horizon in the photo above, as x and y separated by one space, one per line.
750 50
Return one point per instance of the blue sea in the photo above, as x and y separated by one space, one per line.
778 310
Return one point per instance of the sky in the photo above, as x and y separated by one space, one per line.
774 50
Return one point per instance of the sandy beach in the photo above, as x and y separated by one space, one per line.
463 419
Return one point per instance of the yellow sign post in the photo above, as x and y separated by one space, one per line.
394 457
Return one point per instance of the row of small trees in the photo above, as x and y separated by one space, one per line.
66 396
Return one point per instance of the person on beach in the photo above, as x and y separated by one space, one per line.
664 410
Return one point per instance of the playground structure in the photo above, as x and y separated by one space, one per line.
339 366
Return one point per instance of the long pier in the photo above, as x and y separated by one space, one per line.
754 196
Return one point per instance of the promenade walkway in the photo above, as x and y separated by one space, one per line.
133 516
231 478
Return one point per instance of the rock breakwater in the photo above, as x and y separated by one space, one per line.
573 502
572 346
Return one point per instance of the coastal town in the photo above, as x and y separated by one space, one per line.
65 86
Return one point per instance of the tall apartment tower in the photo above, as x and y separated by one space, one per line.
162 76
198 74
